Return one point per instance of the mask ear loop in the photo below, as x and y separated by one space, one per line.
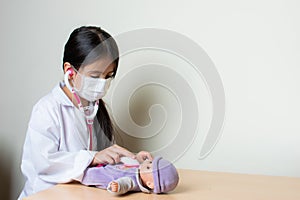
89 118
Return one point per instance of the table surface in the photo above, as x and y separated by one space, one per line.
193 184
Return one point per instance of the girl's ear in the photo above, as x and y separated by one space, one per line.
67 66
150 184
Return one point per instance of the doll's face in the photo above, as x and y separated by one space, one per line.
146 174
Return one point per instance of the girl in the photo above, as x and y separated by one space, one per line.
70 128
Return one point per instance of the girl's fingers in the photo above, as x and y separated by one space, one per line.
144 155
122 151
112 155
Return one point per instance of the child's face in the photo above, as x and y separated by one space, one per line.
102 68
146 173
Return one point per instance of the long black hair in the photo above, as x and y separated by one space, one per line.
86 45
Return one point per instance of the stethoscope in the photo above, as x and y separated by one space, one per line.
89 117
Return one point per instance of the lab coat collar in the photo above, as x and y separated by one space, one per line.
60 96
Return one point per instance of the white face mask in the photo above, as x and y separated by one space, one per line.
91 89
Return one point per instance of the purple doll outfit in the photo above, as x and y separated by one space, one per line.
127 177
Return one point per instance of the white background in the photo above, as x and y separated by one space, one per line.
254 44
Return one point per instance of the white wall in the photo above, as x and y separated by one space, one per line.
254 45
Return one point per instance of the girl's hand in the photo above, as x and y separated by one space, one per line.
143 155
111 155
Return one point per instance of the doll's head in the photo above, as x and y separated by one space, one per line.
159 175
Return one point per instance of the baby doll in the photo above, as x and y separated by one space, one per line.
158 176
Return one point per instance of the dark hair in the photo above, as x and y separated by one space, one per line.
86 45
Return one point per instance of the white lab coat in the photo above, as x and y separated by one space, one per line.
56 144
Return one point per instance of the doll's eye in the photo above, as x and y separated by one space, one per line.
148 167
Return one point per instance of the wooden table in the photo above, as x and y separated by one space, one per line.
193 184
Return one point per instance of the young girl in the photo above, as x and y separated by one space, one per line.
70 128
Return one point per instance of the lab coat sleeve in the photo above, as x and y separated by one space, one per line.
51 164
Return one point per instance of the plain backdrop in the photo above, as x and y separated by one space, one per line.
255 46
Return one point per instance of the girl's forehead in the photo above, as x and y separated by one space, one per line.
100 65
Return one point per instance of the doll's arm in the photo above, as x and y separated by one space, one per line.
121 185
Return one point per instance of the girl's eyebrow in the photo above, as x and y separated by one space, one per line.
100 72
95 71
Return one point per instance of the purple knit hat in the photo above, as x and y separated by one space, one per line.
165 175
